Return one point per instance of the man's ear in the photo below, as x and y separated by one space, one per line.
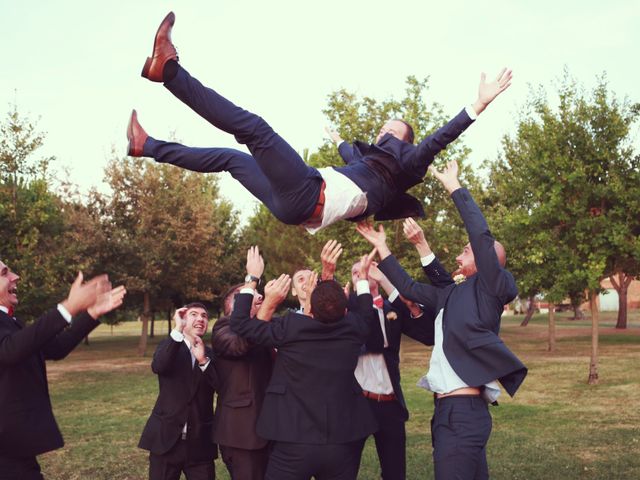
293 291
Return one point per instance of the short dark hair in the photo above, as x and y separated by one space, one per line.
227 298
300 269
191 305
410 135
328 302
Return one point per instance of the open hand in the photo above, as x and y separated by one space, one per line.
82 294
276 290
329 257
255 263
312 281
488 91
107 301
448 176
180 319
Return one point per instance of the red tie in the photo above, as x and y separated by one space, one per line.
378 301
10 311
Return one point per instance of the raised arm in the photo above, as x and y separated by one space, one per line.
15 347
494 278
487 92
410 289
431 266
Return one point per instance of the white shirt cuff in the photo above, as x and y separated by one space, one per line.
176 335
471 112
64 312
362 287
393 295
204 367
427 259
248 290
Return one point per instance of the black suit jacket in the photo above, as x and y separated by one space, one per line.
398 321
186 395
244 370
473 309
401 164
313 396
27 425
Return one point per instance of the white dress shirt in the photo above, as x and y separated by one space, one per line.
371 371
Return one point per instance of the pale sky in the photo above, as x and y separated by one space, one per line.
76 64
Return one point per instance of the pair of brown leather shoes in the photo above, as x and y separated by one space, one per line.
163 51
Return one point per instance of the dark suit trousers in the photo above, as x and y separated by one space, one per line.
301 461
390 438
19 468
276 174
460 430
245 464
175 461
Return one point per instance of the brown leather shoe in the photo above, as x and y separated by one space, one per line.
136 136
163 50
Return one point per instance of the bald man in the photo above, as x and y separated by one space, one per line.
468 358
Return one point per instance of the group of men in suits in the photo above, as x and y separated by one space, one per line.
299 394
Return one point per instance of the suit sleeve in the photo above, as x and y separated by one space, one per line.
420 329
17 346
227 343
269 334
345 149
437 274
407 287
164 356
430 146
370 323
62 344
494 279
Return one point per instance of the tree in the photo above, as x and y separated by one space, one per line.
560 180
30 217
168 234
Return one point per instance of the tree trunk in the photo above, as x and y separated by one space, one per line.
169 320
621 284
577 313
531 308
142 345
86 340
552 327
153 325
595 318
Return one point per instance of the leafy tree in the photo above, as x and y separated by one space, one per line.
30 217
558 184
168 234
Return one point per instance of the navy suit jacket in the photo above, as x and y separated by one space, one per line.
185 396
27 425
472 309
313 396
403 166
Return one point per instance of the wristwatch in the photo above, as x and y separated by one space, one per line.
251 278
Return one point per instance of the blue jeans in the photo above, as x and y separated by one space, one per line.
274 172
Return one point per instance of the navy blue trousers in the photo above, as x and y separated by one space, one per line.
300 461
274 172
390 439
460 430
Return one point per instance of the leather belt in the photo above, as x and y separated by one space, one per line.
380 397
316 216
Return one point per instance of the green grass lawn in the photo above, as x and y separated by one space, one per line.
557 427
